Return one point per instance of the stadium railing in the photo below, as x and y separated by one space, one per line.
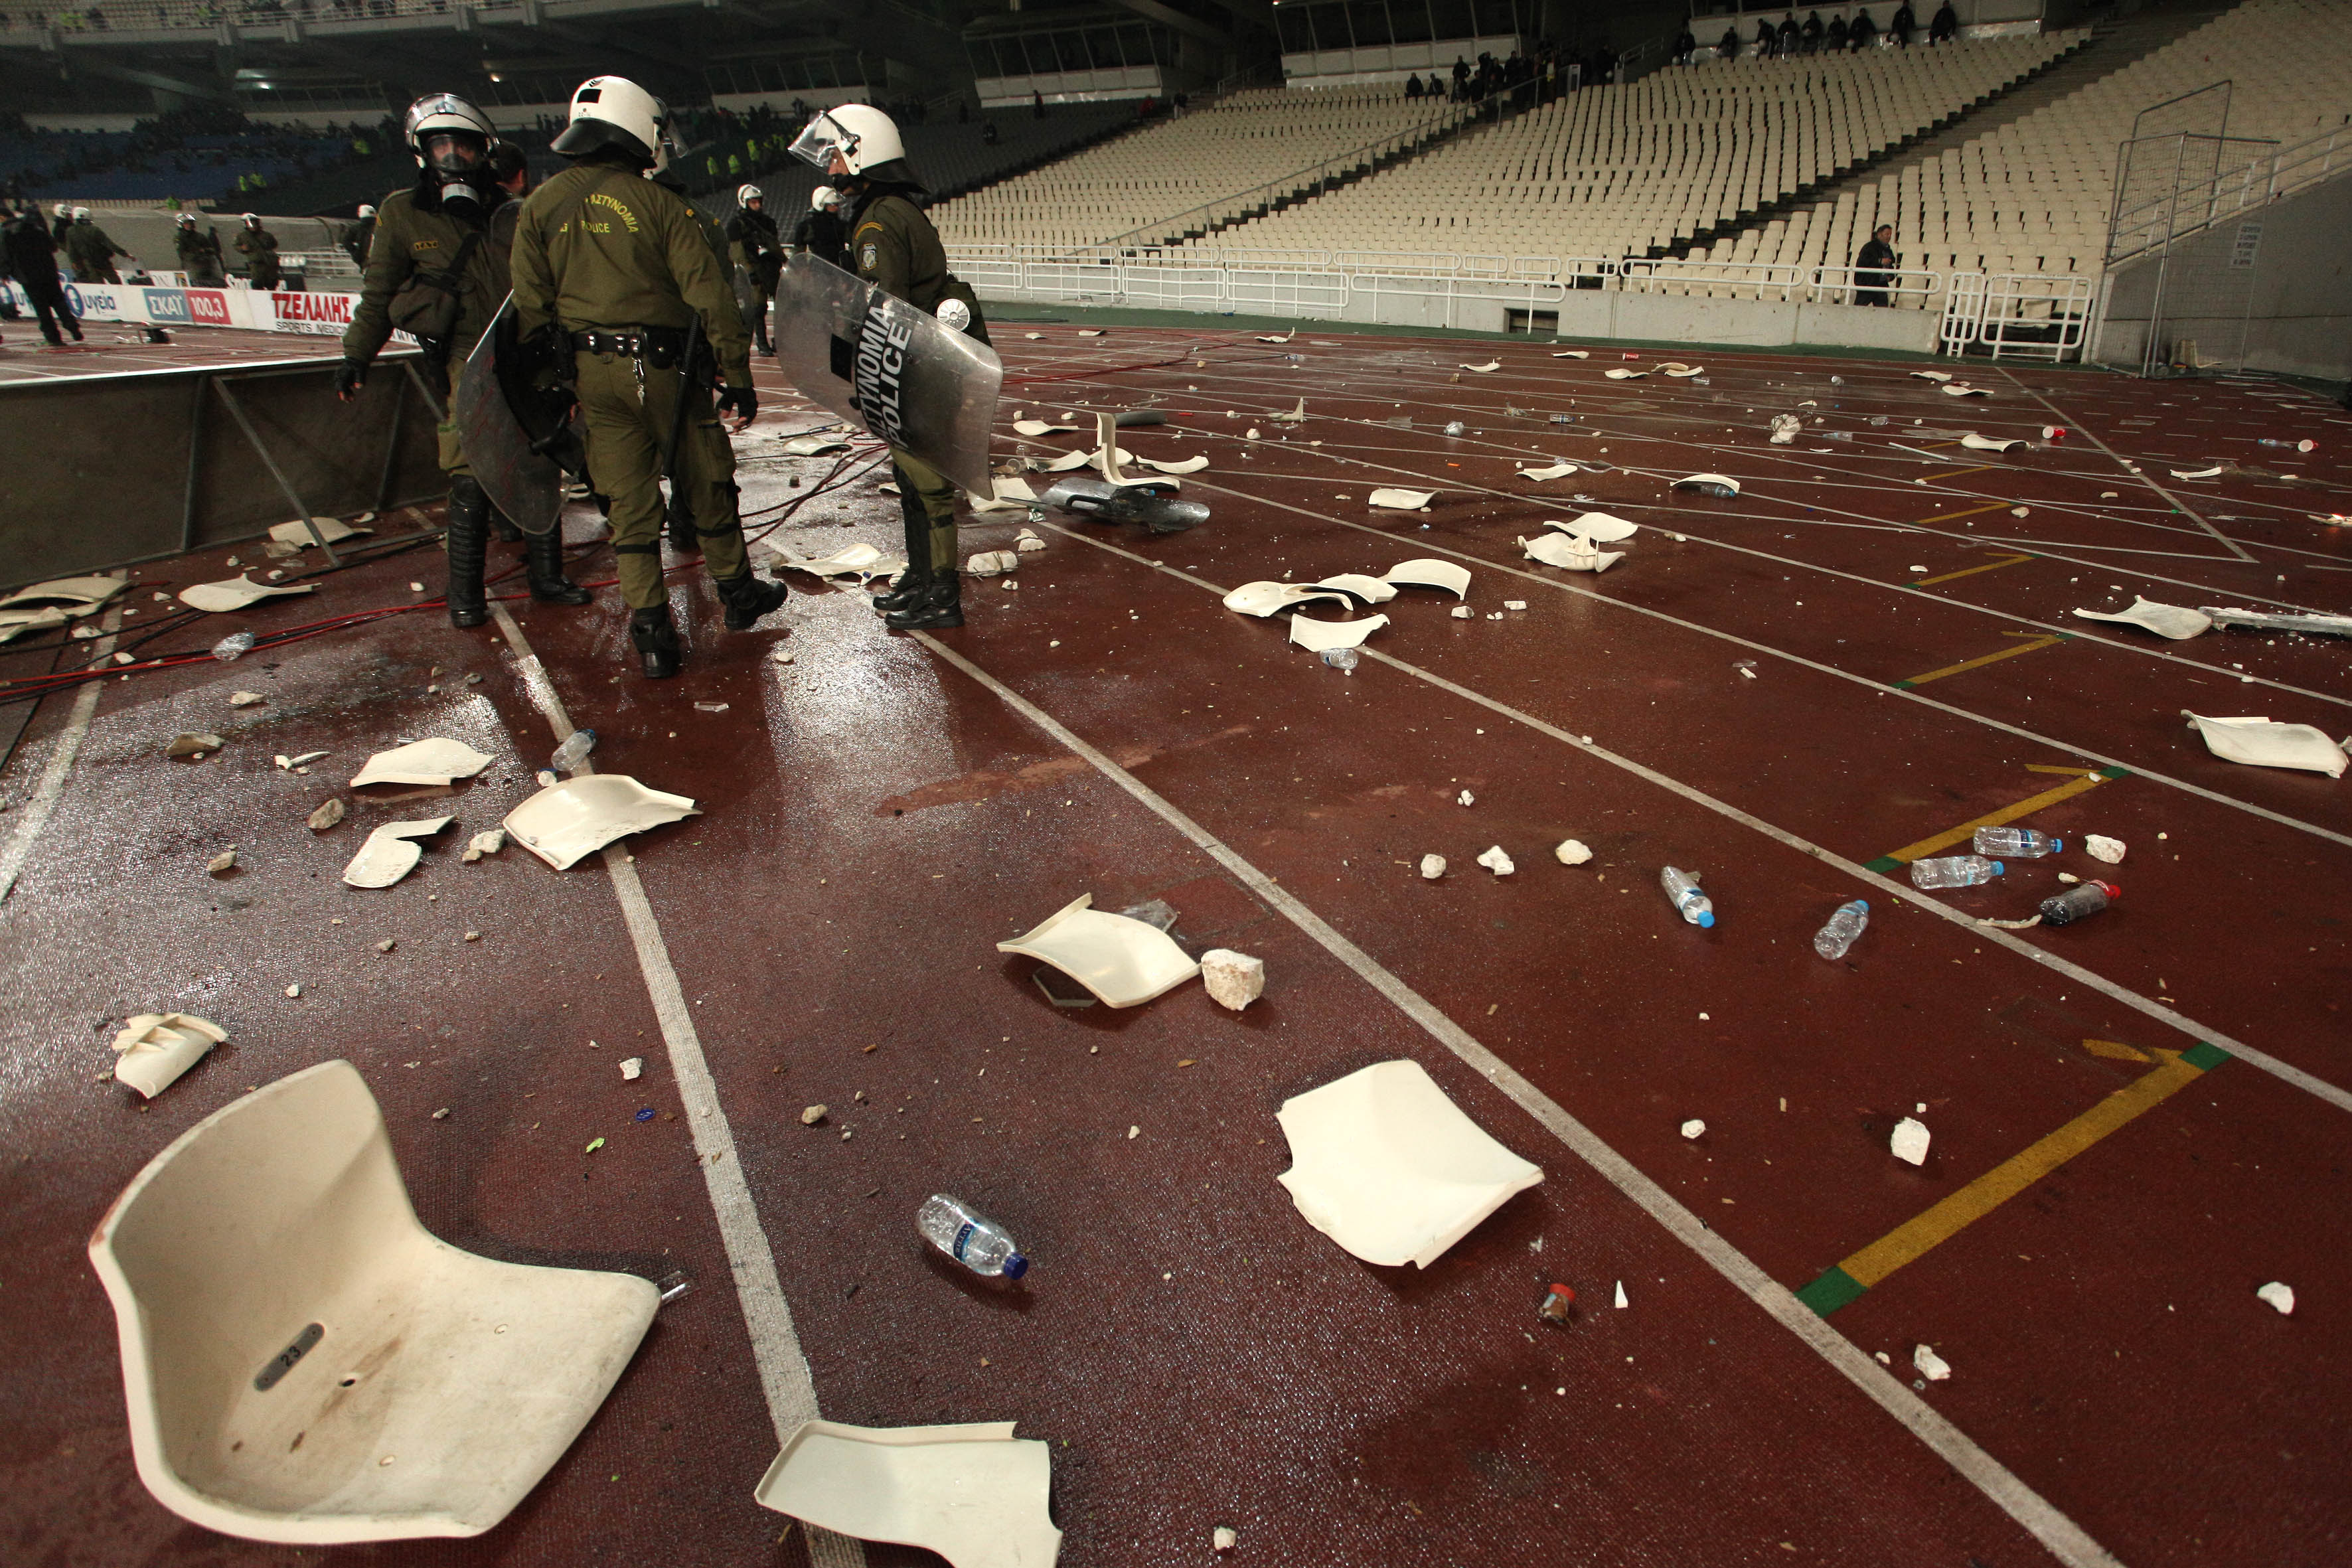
2196 204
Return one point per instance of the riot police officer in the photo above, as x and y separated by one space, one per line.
356 239
199 254
438 271
819 231
619 268
259 248
893 246
751 243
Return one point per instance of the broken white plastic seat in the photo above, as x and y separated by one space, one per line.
1383 1163
333 530
1573 353
439 761
854 560
1315 636
2214 472
15 623
1938 375
580 814
1039 427
1402 500
154 1049
973 1493
1600 527
1296 416
236 594
1700 481
392 852
1961 389
1557 471
2263 744
1264 599
1572 554
1427 573
2174 621
1123 962
1371 590
1492 365
1181 466
1977 443
306 1363
1621 373
813 445
1682 371
86 592
1012 495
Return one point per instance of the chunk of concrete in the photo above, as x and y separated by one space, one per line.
2281 1297
329 812
1496 861
1233 979
192 745
1909 1140
2099 847
1432 866
153 1050
1571 852
1931 1366
1694 1128
486 842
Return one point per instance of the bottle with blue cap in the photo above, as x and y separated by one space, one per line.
2016 843
1954 871
1832 939
1681 886
969 1236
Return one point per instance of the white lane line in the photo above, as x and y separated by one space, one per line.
2286 1071
1798 659
46 793
2066 1540
784 1376
2133 471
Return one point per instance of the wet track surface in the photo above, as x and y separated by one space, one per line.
878 813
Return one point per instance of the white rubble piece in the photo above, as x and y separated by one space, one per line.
223 862
1962 389
1496 861
153 1050
1040 427
1466 798
1009 495
1315 636
1181 466
432 762
1028 539
391 852
236 593
486 843
2177 622
2262 743
244 698
1931 375
15 623
1931 1366
1785 428
1571 353
2099 847
2276 1295
1515 603
633 1068
1224 1539
192 745
813 445
1680 370
1572 853
580 814
1125 961
1392 1170
1295 416
1909 1140
1233 979
1403 500
2216 471
329 812
975 1494
1621 1303
991 562
1694 1128
1432 866
1463 613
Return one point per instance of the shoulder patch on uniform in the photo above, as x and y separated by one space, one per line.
866 254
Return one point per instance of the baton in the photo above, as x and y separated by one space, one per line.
680 514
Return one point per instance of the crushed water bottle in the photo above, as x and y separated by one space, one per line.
1563 418
2296 446
1681 886
1954 871
969 1236
2079 902
573 751
1454 427
1342 659
2017 843
1723 492
1832 939
234 647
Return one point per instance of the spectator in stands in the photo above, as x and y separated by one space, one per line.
1728 46
1902 25
1413 85
1036 105
1864 33
1787 38
751 244
1812 33
819 233
988 134
1764 39
1835 40
1686 46
356 238
92 251
1946 24
30 251
1874 265
259 248
1461 78
200 254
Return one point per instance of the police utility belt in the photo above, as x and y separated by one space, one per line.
662 348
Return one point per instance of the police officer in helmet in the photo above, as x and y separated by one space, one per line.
619 266
438 271
751 244
893 246
819 232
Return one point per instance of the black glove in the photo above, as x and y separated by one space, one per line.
740 401
350 376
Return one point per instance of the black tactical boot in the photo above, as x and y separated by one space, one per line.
917 578
656 636
748 598
469 542
940 604
544 566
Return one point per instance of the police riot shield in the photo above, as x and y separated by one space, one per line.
511 430
892 367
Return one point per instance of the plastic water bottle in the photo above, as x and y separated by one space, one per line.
969 1236
1342 659
1454 427
1710 487
1954 871
2017 843
2080 902
1832 939
1683 888
573 751
234 647
2297 446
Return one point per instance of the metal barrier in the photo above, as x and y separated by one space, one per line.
2035 316
1963 312
85 495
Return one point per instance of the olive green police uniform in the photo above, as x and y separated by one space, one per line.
754 248
92 252
894 246
410 239
200 256
603 254
259 248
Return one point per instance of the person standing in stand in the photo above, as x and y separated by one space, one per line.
1874 267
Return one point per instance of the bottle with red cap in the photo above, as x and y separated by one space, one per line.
2079 902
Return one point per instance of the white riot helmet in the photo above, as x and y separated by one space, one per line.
64 210
188 220
452 140
612 111
251 218
81 214
746 195
821 197
864 137
366 211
